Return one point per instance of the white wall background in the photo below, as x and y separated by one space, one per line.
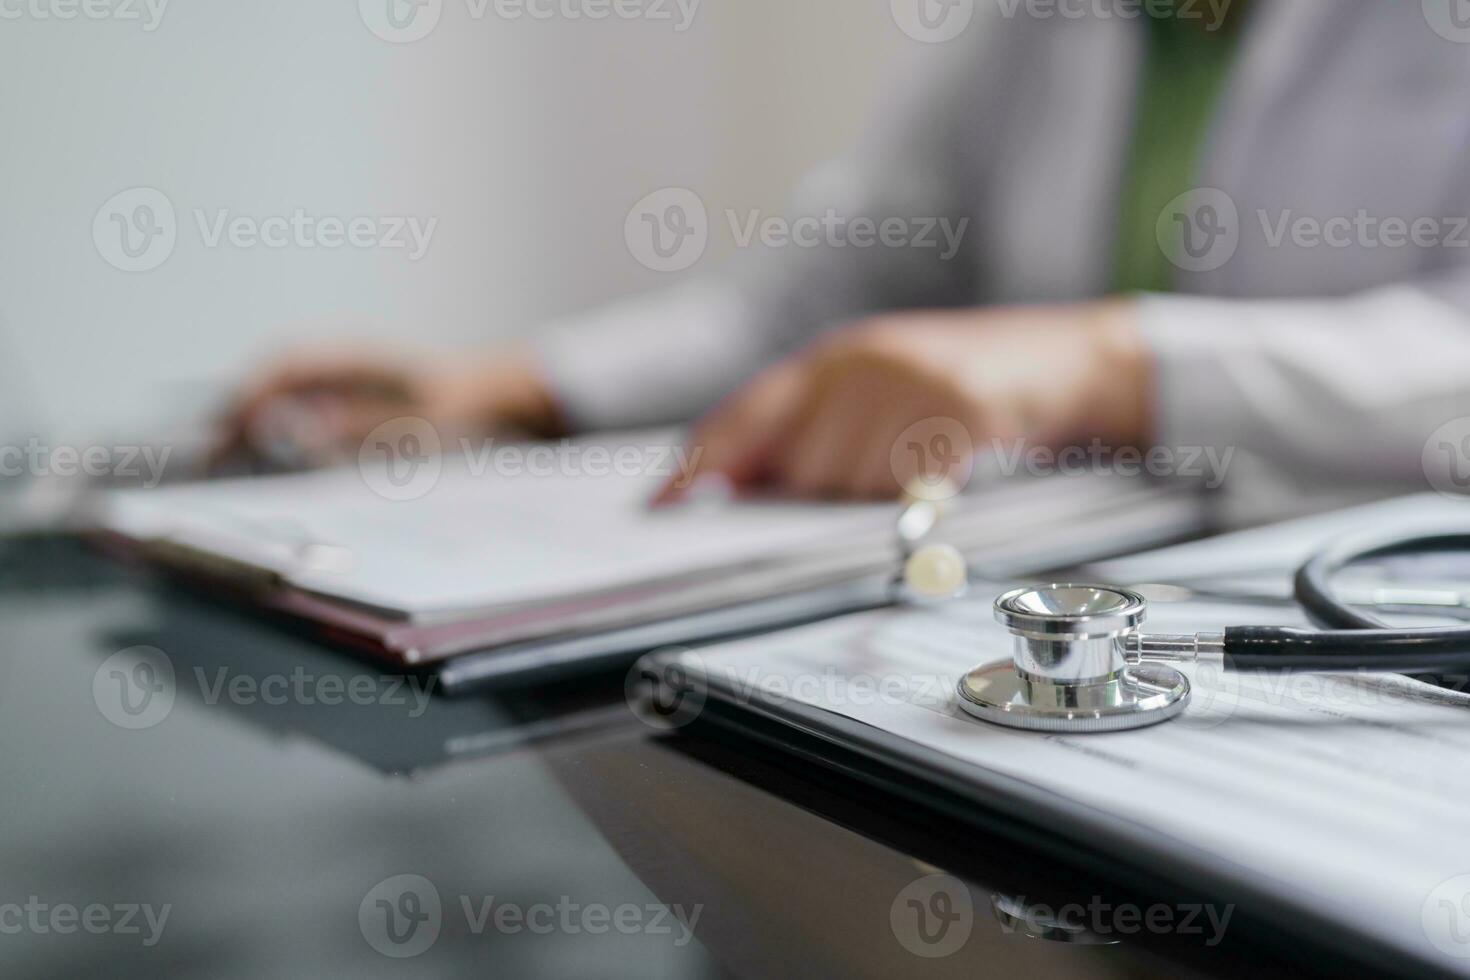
528 140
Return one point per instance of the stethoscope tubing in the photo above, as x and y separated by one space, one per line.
1352 639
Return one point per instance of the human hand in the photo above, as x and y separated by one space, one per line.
315 406
825 423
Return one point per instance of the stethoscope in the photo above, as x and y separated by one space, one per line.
1079 662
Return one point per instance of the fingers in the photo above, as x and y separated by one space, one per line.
820 427
815 457
324 373
873 474
847 451
838 444
736 439
307 408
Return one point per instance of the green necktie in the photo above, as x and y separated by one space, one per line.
1184 70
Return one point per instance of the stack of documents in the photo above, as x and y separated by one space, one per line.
535 572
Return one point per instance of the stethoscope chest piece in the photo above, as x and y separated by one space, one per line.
1069 671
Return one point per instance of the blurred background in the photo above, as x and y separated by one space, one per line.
528 139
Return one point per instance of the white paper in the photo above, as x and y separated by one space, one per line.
1352 790
481 541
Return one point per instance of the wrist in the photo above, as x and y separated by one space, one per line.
1123 376
505 390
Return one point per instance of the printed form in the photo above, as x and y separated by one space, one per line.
1349 790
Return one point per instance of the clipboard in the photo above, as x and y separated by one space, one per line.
1035 818
1085 834
1004 527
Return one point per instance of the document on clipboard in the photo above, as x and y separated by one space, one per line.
1347 795
514 576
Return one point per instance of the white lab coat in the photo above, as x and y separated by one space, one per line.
1333 359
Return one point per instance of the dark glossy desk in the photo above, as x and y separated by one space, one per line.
267 829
